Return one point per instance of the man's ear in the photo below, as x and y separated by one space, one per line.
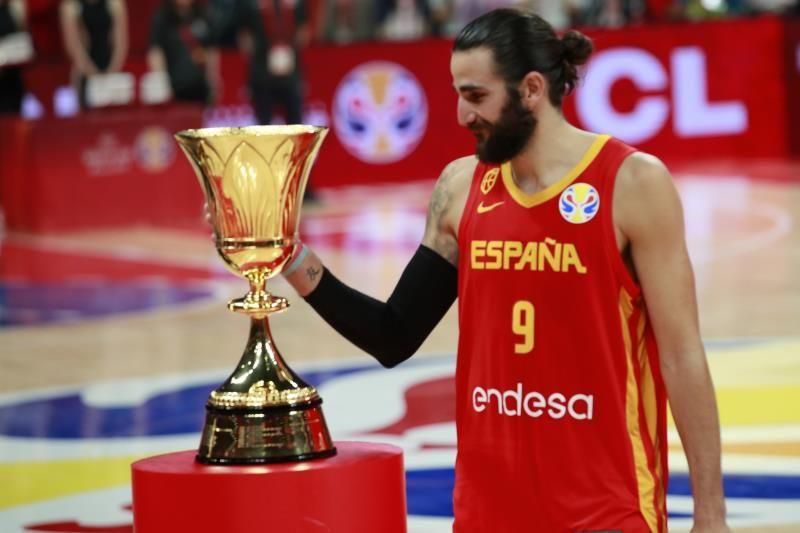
533 89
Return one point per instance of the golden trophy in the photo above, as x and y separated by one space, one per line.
254 179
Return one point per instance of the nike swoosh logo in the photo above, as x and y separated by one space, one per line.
486 208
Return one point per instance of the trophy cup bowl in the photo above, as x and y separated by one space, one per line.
253 179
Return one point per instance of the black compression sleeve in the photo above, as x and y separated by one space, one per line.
392 331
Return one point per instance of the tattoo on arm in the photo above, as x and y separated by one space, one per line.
312 273
437 235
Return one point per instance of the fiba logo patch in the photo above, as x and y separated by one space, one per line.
155 149
489 179
380 112
579 203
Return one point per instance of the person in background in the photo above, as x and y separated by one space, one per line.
12 87
95 36
612 13
404 20
181 45
346 21
558 13
449 16
762 6
280 31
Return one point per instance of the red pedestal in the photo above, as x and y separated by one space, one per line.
360 490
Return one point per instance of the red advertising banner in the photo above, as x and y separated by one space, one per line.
715 89
726 89
678 91
104 169
792 63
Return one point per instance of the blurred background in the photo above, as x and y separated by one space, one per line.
112 321
682 79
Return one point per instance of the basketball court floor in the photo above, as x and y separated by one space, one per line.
110 342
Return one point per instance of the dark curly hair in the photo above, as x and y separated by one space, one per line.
522 42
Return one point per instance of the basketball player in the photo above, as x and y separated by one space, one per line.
577 310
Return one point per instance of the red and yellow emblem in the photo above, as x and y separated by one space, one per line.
489 179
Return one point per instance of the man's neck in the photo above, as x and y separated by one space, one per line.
554 149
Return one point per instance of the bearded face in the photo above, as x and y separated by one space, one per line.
501 141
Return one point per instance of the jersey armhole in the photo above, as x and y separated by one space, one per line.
609 231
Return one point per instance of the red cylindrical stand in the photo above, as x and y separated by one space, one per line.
360 490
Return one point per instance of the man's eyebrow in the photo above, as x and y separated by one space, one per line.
468 87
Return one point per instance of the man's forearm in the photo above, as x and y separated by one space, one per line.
694 408
390 331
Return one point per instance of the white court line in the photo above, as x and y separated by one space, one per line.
781 225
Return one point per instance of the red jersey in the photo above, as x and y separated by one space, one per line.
561 409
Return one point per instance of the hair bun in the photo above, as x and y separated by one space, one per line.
577 47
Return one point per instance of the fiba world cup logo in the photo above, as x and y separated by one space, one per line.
380 112
154 149
579 203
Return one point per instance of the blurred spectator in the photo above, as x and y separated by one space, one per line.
95 37
557 12
661 10
404 19
449 16
612 13
775 6
278 34
702 9
12 88
345 21
181 45
225 18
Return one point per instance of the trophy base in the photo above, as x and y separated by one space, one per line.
267 435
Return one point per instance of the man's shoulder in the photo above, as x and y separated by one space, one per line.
645 196
642 174
459 171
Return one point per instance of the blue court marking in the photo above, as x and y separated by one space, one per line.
768 487
177 412
745 342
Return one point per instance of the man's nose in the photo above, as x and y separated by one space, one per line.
466 115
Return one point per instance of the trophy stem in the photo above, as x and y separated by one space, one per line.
263 413
259 302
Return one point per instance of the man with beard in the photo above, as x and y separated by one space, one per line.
552 239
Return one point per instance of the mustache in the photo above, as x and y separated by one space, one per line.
480 125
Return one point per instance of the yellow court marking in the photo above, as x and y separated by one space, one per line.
34 481
766 405
775 449
757 384
762 363
782 449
